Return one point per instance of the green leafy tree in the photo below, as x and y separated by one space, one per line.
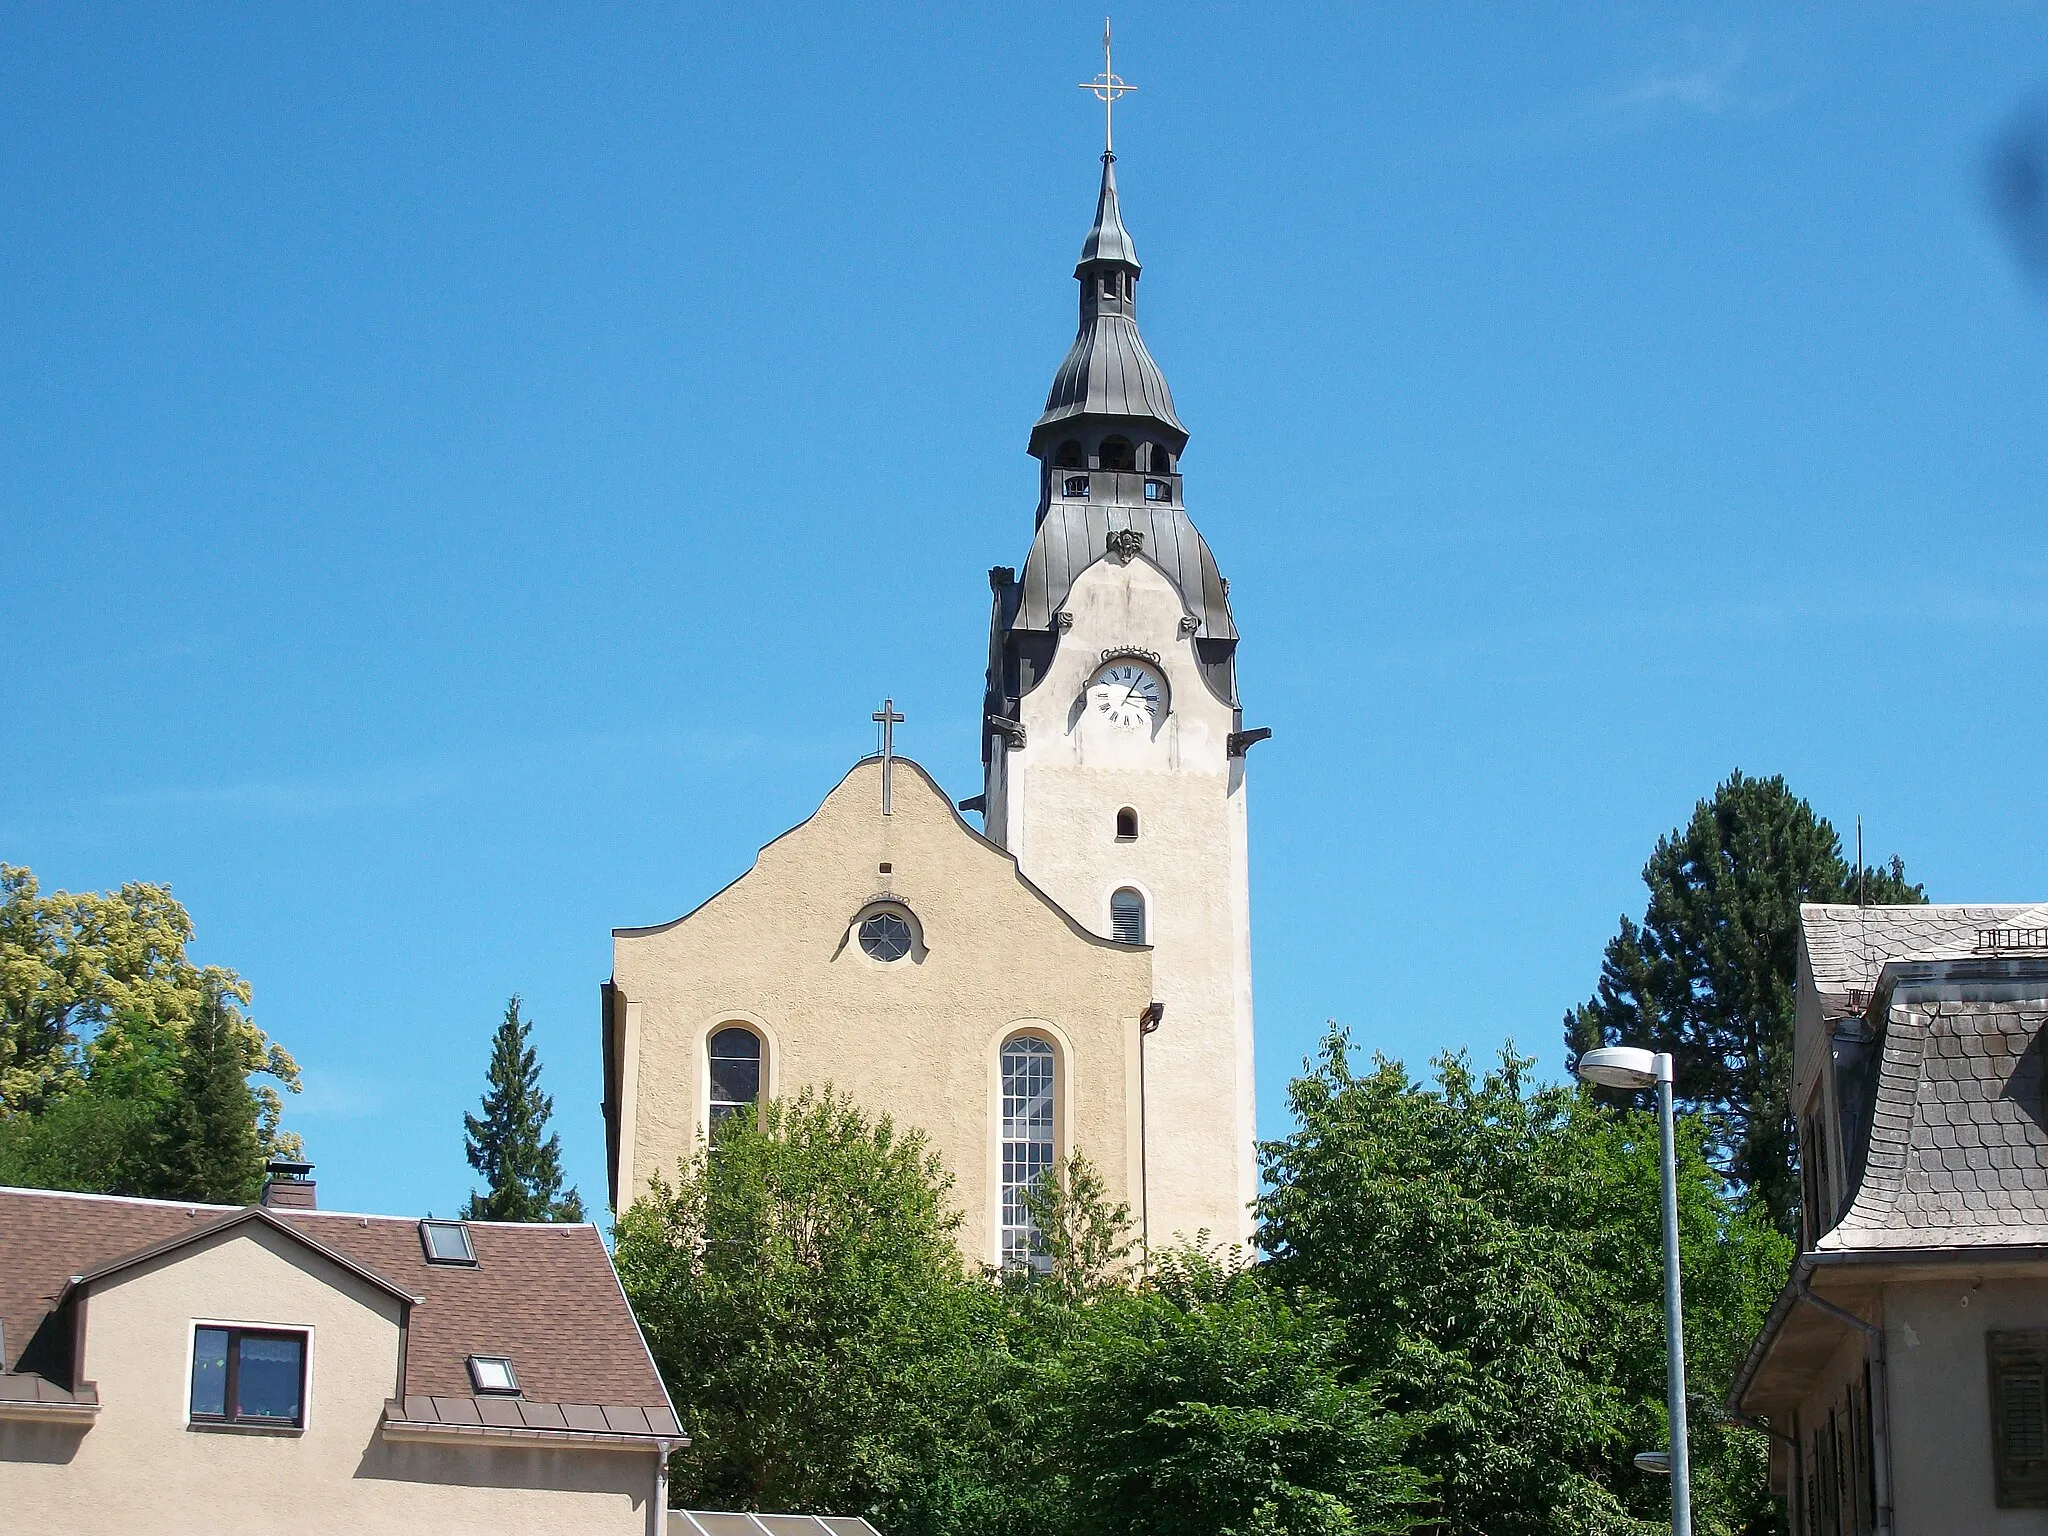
1711 972
206 1147
801 1290
73 965
1494 1248
1203 1403
523 1172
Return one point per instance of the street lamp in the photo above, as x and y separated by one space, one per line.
1625 1066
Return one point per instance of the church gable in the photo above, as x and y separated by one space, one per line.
896 956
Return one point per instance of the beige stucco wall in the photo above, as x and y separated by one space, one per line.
141 1468
1941 1402
917 1039
1064 787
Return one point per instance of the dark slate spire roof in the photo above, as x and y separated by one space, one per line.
1107 371
1108 240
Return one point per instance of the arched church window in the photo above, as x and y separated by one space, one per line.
1127 825
885 936
1077 485
1070 456
735 1071
1118 454
1127 917
1158 460
1027 1066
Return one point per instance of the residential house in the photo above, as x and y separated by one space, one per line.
1903 1372
173 1367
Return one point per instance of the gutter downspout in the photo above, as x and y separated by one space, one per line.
1148 1021
1880 1389
657 1509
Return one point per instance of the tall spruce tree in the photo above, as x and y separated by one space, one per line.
1711 972
207 1147
505 1146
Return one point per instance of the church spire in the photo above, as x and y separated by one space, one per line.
1108 386
1108 240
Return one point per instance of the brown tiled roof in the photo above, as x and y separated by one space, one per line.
544 1296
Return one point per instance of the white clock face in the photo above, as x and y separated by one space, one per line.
1127 694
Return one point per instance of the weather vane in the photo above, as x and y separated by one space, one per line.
1107 87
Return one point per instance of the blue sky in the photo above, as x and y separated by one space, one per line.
468 472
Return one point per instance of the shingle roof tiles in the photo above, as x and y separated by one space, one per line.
545 1296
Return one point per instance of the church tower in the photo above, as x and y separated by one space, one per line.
1113 746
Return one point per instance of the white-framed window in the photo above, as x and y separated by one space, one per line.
1027 1137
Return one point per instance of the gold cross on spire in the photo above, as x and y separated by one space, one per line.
1107 86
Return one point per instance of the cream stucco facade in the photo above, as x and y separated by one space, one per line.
917 1038
141 1465
1064 788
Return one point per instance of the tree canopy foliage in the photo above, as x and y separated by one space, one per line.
124 1067
802 1290
1711 972
522 1172
1495 1249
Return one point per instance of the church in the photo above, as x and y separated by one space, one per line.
1075 977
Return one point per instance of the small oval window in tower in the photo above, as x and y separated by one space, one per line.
1127 917
1118 454
1127 825
1070 456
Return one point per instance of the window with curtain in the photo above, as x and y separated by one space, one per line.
1027 1143
735 1072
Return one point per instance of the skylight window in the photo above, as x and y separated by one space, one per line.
446 1242
493 1373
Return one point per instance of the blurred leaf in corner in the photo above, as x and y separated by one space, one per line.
2019 188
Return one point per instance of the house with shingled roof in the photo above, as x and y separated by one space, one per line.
176 1367
1903 1372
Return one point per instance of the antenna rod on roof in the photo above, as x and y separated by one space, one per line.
1859 861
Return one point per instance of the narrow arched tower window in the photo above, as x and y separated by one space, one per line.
736 1059
1127 917
1070 456
1027 1143
1118 454
1127 825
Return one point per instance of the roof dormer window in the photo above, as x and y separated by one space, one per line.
447 1242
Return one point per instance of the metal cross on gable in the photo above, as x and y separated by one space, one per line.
887 718
1107 86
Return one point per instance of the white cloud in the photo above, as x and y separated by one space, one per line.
1709 88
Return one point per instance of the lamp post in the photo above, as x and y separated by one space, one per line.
1624 1066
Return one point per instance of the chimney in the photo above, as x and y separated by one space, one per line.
289 1186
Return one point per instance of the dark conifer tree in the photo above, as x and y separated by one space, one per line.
1711 972
505 1146
207 1148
